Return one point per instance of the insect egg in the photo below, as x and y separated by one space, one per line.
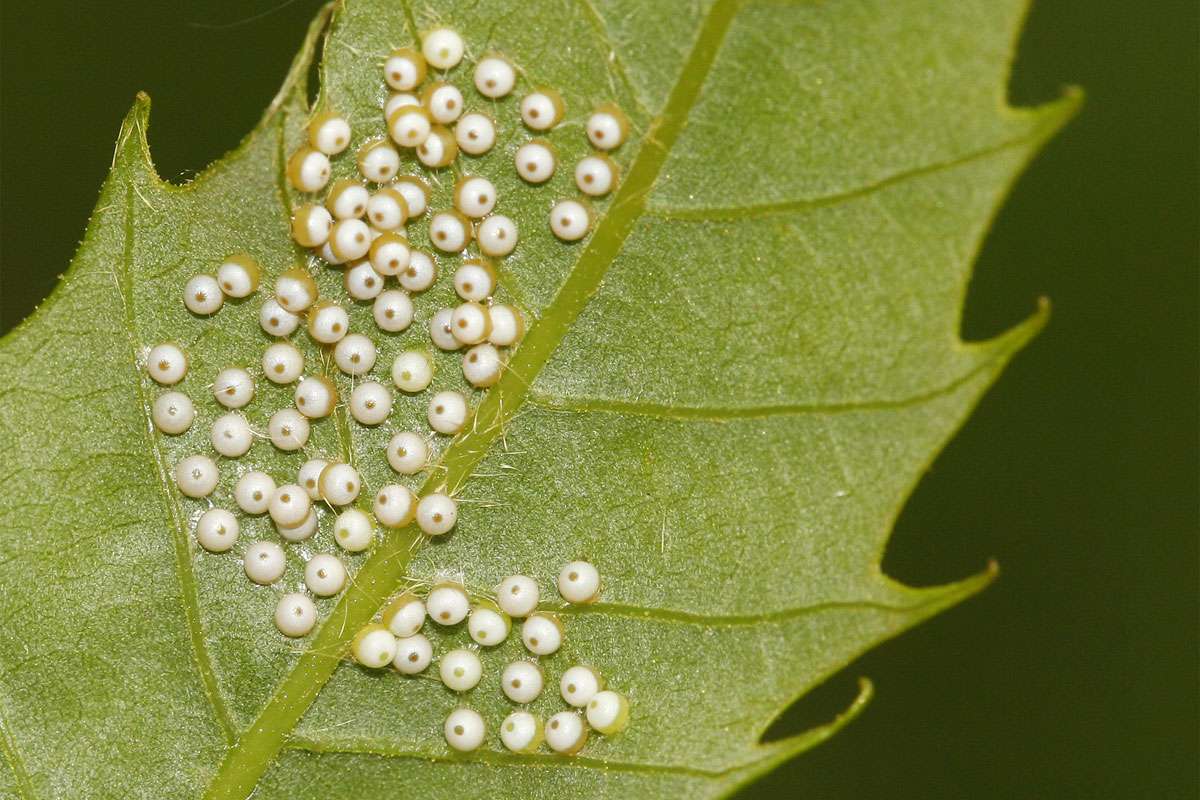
326 253
443 48
347 199
415 192
373 646
390 253
412 371
311 225
579 685
436 514
420 273
542 634
481 366
387 209
407 453
595 175
607 127
566 733
475 133
494 77
475 280
405 615
460 670
253 492
217 530
536 161
464 730
231 435
339 484
355 355
378 161
443 101
275 319
440 331
308 170
397 99
474 196
349 239
327 322
488 625
264 563
309 475
295 290
542 110
413 654
202 295
324 575
233 388
449 231
362 282
393 311
570 220
173 412
316 397
239 275
447 604
497 236
522 732
289 505
522 681
196 476
370 403
353 531
439 149
447 412
608 712
298 533
329 133
166 364
470 323
508 326
409 126
282 363
579 582
288 429
517 595
404 69
296 615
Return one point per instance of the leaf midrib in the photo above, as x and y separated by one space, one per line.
380 575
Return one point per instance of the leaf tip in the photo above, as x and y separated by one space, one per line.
133 146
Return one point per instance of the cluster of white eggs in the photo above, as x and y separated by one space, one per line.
292 506
396 640
362 227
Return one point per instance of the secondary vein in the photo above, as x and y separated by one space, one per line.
179 534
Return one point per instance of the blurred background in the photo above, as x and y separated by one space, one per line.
1075 675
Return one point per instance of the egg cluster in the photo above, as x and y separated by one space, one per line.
362 226
396 640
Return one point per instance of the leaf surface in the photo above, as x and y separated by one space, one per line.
725 395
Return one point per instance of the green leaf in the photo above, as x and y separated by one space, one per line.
725 395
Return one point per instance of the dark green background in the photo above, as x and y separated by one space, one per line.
1076 674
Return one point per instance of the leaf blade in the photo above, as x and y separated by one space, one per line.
578 381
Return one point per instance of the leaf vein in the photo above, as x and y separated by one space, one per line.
8 746
604 36
179 535
551 402
763 210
